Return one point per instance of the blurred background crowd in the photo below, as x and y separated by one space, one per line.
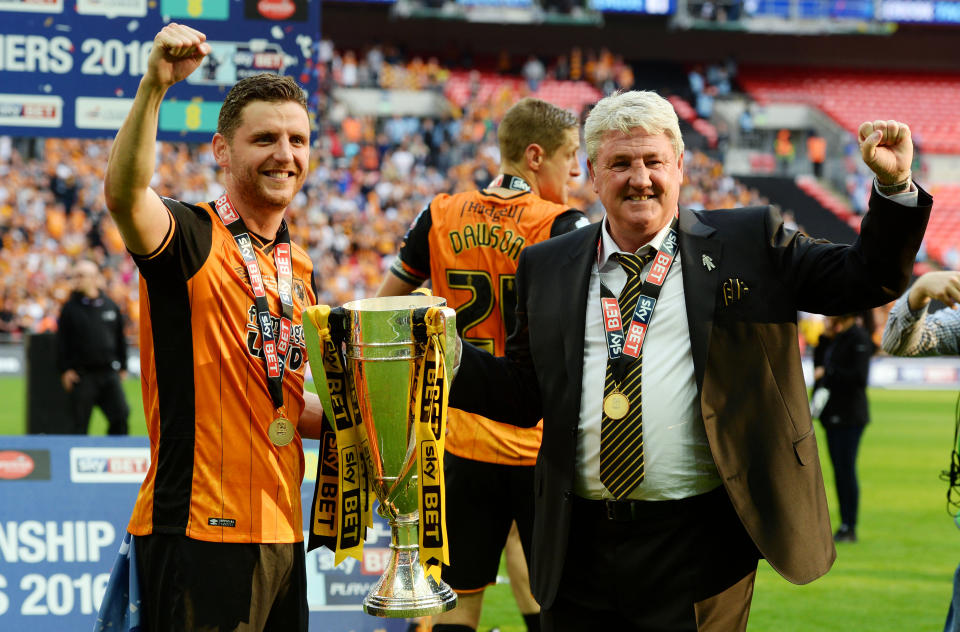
371 174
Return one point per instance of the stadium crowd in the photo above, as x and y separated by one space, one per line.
369 178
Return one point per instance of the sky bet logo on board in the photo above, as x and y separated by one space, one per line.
109 465
26 110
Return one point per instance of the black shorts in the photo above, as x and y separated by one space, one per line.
188 584
483 499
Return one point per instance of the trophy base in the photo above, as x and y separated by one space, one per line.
404 590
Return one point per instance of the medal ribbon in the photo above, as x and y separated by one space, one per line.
274 348
430 431
631 344
341 509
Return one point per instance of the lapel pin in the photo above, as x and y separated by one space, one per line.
707 262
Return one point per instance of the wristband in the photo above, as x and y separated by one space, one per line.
893 189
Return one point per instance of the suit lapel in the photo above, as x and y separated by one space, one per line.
699 261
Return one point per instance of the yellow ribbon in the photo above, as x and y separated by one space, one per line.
430 429
343 523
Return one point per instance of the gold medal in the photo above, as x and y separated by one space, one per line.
616 405
281 431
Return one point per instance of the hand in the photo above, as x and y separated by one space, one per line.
943 286
177 51
887 148
818 373
69 378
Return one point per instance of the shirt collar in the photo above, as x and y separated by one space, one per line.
608 247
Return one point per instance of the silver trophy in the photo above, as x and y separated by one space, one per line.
382 362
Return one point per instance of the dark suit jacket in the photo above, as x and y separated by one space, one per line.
846 371
746 359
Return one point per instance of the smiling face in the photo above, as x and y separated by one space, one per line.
637 177
556 171
266 160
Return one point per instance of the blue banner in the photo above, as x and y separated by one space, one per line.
71 67
65 505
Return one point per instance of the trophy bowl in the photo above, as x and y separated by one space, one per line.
383 357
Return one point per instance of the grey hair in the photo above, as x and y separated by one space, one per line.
624 111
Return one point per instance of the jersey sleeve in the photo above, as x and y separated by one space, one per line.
568 221
412 264
184 248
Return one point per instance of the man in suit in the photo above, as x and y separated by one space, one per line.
678 450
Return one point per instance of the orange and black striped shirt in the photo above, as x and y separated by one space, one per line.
468 245
214 474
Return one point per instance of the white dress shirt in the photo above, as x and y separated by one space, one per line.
677 459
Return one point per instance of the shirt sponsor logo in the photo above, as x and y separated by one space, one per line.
109 465
26 110
91 113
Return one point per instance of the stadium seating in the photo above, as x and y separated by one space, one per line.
928 102
829 200
943 231
571 95
686 113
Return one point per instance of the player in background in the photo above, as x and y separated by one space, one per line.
468 245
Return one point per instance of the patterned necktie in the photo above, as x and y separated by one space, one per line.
621 439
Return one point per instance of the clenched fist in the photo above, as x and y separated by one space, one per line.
177 51
887 148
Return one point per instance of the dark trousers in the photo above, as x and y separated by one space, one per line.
678 566
101 388
191 586
843 442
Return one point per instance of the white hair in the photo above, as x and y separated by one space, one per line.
624 111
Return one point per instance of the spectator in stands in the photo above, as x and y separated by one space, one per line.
784 151
816 152
92 352
333 217
746 125
844 353
489 466
561 69
912 331
534 72
8 324
696 82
